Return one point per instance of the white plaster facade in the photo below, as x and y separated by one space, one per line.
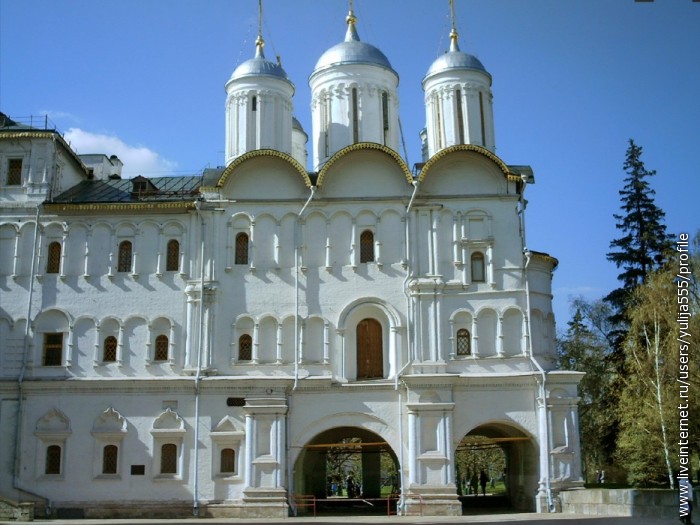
186 346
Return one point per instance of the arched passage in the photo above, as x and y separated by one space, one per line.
345 468
509 458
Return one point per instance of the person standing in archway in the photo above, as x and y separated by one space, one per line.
483 480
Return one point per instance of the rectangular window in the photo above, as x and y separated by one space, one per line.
14 172
53 349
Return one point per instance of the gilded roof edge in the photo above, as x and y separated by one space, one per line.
364 146
512 177
264 153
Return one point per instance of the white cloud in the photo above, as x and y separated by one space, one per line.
138 160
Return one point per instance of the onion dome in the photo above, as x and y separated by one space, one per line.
259 65
352 51
454 59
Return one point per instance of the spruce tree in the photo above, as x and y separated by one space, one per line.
644 245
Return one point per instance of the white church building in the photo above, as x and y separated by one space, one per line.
197 344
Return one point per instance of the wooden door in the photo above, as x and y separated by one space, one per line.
370 357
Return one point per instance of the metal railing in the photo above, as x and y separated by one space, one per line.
39 122
304 501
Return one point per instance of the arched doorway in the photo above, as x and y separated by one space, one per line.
347 469
503 457
370 357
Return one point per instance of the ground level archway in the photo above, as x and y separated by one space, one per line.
509 459
347 468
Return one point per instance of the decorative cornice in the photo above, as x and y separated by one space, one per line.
363 146
544 257
263 153
511 177
116 206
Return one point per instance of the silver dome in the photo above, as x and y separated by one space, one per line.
456 59
352 51
259 66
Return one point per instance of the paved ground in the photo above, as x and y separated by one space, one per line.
530 519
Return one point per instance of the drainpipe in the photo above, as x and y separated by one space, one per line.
23 369
296 289
197 377
409 341
543 382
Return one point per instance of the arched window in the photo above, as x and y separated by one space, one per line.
125 257
366 246
168 459
245 348
109 349
110 455
161 353
228 461
478 274
53 261
464 346
172 261
53 460
242 248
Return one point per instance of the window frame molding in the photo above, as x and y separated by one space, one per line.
226 435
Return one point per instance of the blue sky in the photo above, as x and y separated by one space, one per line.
573 80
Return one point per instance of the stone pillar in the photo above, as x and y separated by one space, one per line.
265 494
431 482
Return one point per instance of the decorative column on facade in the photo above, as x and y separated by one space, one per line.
159 256
278 350
326 342
499 336
265 494
86 263
135 258
192 327
112 241
353 245
71 345
253 247
378 244
96 354
541 499
120 345
341 335
276 242
475 336
15 257
256 343
328 245
62 264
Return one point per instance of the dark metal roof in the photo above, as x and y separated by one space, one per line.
167 189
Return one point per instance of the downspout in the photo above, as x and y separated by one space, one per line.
297 241
23 368
197 377
400 503
543 383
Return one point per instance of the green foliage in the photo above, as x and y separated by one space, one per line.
648 410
